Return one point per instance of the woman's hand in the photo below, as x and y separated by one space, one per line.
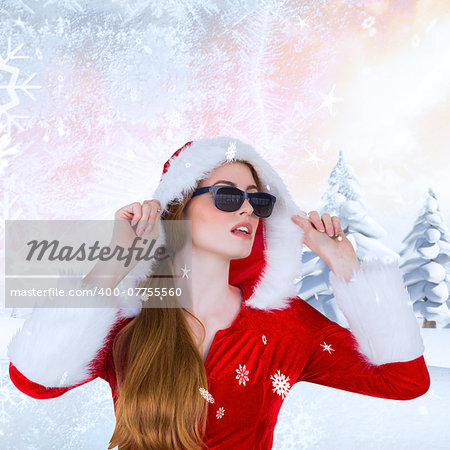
132 221
136 220
327 240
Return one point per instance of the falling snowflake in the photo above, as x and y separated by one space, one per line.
12 87
314 158
329 100
220 412
187 165
368 22
19 22
242 374
302 22
327 347
231 152
63 378
206 395
185 271
264 339
280 384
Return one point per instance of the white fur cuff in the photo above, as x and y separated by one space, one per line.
55 346
379 312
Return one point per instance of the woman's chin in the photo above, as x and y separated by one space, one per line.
242 253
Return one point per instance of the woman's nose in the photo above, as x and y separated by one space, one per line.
246 206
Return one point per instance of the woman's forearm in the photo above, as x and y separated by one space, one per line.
107 274
345 267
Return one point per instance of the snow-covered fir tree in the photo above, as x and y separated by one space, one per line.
343 199
425 262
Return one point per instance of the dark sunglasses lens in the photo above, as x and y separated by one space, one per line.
262 204
228 199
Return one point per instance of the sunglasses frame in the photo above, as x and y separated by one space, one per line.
249 195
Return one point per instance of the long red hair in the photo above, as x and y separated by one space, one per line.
159 367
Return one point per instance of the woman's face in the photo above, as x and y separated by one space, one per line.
211 227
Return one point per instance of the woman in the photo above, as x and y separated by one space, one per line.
215 373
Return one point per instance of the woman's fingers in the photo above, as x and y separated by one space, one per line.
330 225
131 211
153 222
326 219
315 220
137 213
143 221
154 215
337 226
141 214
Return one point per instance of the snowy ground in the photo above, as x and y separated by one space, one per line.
312 416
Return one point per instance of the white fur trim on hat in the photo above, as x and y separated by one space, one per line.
284 239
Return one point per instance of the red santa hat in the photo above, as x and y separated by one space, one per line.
267 275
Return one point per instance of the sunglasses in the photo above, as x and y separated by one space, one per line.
229 199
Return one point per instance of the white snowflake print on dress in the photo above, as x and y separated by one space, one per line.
280 384
327 348
220 412
242 374
206 395
264 339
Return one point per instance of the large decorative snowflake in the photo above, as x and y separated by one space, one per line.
11 87
280 384
242 374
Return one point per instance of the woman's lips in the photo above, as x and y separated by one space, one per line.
241 234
